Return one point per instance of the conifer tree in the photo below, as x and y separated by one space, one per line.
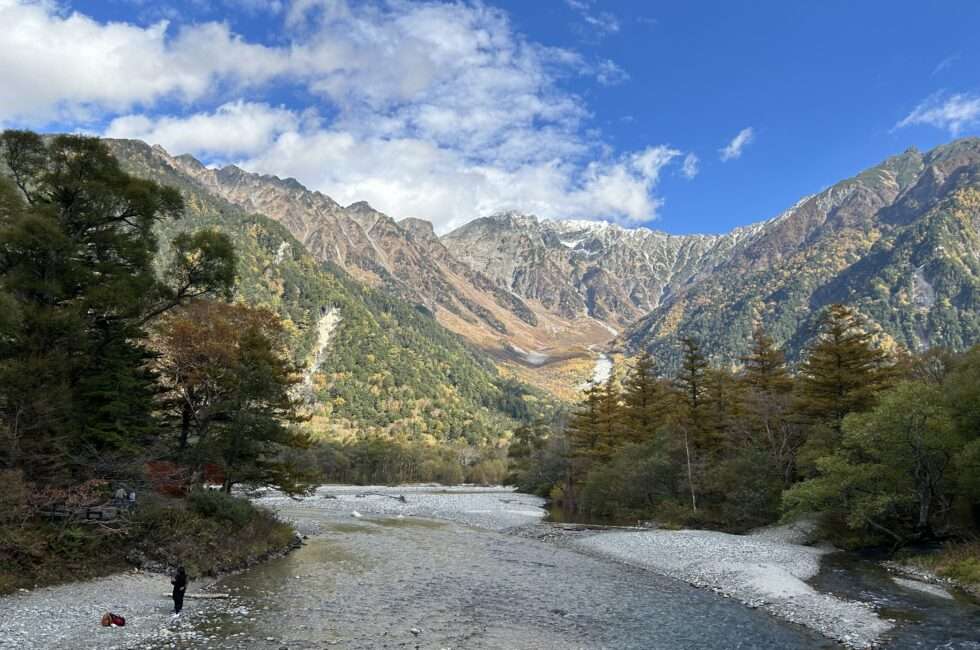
690 383
77 259
585 426
767 404
843 371
610 418
722 409
643 400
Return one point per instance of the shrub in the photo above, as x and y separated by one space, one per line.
488 472
213 504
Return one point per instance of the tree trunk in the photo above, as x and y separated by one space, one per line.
690 473
925 500
185 426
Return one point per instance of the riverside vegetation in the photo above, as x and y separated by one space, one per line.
884 449
88 393
148 325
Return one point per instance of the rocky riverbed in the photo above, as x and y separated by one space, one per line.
430 567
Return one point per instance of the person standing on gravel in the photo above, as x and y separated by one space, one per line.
180 586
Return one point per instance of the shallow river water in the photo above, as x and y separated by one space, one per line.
411 583
427 567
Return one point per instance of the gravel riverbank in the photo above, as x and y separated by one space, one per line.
761 571
464 587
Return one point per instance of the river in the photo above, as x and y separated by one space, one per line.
452 568
385 582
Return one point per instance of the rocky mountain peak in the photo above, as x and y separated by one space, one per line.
361 206
419 228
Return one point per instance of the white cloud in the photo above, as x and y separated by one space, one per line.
437 109
233 129
440 184
954 113
72 67
734 148
945 64
691 166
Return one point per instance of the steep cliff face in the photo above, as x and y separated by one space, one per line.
899 242
367 243
607 272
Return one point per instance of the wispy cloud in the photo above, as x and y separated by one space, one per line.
734 148
945 64
691 166
953 113
597 24
609 74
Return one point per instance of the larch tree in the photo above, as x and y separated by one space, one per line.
691 386
843 372
644 400
767 400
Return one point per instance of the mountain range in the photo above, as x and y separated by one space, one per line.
900 242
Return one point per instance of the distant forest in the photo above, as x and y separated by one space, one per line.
883 448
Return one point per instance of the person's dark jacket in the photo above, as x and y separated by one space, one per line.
180 581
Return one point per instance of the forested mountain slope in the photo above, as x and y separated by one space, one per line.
898 242
525 336
389 367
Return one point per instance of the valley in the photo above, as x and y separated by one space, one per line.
479 324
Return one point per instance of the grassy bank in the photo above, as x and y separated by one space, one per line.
208 533
958 562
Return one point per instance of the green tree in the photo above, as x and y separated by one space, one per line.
893 473
644 400
77 250
961 386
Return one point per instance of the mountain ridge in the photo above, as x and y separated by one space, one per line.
540 293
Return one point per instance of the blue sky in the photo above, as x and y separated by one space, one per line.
684 116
